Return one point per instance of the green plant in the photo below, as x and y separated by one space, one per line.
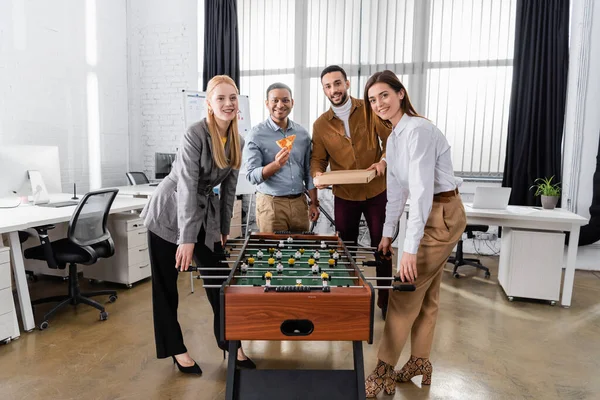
545 187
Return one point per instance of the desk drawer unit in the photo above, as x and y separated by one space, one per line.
531 264
131 262
8 320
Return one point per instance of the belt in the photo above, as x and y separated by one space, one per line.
289 196
444 197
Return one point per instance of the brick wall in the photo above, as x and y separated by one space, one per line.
162 63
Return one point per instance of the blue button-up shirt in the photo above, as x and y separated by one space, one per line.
260 150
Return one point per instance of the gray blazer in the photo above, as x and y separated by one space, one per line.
184 202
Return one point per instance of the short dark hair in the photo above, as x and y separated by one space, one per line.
334 68
278 85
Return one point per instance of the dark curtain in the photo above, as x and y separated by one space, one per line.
221 43
537 104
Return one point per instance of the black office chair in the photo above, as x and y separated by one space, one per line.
137 178
87 240
459 260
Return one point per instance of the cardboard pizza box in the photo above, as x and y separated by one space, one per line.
345 177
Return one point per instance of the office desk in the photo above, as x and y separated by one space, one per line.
144 190
532 218
26 216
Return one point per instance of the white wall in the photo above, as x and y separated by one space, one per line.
50 55
582 122
163 50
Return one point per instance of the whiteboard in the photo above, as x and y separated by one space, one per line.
194 106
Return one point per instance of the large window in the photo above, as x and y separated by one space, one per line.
454 56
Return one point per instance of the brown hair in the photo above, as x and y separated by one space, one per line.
218 150
392 80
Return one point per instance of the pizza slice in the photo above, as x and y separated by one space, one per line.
287 142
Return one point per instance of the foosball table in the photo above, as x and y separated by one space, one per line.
297 287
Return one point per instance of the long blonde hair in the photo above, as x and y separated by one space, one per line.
218 150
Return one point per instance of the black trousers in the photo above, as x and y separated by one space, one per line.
165 297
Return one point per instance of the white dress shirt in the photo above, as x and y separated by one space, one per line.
419 165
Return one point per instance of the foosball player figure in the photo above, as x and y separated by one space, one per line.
335 255
297 255
281 244
315 268
311 261
267 277
244 268
290 239
259 254
298 282
301 250
251 261
271 262
331 251
278 255
272 250
279 268
326 278
291 262
316 255
323 244
332 262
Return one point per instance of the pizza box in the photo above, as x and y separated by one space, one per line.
345 177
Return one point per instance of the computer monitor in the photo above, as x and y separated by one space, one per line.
162 164
15 161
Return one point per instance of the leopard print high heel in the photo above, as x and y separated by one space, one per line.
383 377
413 367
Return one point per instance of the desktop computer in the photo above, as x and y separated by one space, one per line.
162 164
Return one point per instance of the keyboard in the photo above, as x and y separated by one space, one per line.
59 204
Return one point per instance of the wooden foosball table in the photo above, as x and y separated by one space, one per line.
297 287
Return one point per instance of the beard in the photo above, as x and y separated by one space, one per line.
342 100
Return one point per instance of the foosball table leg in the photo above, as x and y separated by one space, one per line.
359 368
230 386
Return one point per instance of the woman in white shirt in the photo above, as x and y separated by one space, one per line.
419 165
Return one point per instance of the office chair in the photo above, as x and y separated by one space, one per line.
87 240
459 260
137 178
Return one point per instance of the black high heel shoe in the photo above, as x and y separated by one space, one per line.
242 364
245 364
194 369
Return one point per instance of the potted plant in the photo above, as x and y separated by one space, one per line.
549 191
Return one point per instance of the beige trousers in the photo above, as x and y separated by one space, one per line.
416 312
275 214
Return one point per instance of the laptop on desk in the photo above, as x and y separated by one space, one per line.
495 198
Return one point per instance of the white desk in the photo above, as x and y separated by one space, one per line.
534 218
26 216
144 190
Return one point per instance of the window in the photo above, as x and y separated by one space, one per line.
455 58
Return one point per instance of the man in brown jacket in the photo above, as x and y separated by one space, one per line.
342 140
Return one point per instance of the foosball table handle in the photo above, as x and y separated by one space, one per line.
404 288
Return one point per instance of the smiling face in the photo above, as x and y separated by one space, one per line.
280 104
385 102
223 101
335 87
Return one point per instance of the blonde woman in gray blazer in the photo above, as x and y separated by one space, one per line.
186 220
